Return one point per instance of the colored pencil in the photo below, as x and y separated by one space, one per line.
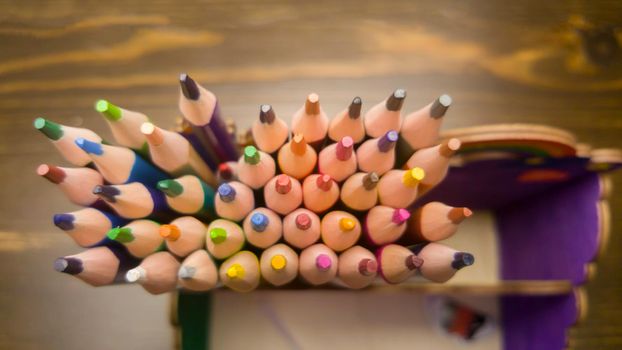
319 192
311 121
97 266
198 272
338 160
120 165
76 183
386 115
88 226
318 264
435 221
125 126
234 201
172 153
377 155
63 138
396 263
348 123
340 230
269 131
301 228
240 272
279 264
227 171
255 168
200 107
434 161
157 274
399 188
283 194
357 267
140 237
421 128
262 228
296 158
360 191
189 195
224 238
134 201
385 225
183 235
441 262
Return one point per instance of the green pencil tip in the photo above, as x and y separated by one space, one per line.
218 235
251 155
110 111
121 234
50 129
171 188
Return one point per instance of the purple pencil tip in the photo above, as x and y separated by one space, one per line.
64 221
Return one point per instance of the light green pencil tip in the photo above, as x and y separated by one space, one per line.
121 234
218 235
171 188
50 129
110 111
251 155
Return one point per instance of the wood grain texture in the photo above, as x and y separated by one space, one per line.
501 63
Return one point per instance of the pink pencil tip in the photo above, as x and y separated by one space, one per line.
283 184
345 148
324 182
400 216
323 262
303 221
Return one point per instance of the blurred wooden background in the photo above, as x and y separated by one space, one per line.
556 63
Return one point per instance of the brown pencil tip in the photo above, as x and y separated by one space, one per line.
266 114
396 100
298 145
324 182
413 262
370 181
53 173
440 106
457 215
354 111
368 267
312 104
189 87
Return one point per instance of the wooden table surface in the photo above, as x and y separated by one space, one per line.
556 63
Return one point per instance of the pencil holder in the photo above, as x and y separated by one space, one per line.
541 220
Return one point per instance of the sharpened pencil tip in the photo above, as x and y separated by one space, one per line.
108 110
50 129
278 262
323 262
440 106
136 274
189 87
64 221
107 193
396 100
53 173
370 181
186 272
462 259
121 234
259 222
354 111
72 266
226 192
266 114
89 147
171 188
303 221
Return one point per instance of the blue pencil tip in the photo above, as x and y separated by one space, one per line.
64 221
259 222
89 146
226 192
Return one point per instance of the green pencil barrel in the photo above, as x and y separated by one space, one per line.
194 312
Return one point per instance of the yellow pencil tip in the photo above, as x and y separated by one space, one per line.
347 224
278 262
235 271
413 176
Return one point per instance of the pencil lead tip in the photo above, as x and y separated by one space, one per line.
186 272
347 224
235 271
323 262
413 262
312 104
108 110
170 232
413 176
387 141
345 148
266 114
400 216
225 171
368 267
50 129
278 262
251 155
64 221
370 180
69 265
462 259
136 274
218 235
354 110
259 222
53 173
226 192
89 147
303 221
440 106
283 184
396 100
189 87
171 188
324 182
121 234
107 193
298 145
152 133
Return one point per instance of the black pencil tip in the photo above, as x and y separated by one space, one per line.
107 193
354 111
266 114
189 87
396 100
72 266
462 259
440 106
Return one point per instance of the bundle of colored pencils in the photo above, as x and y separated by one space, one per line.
323 202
